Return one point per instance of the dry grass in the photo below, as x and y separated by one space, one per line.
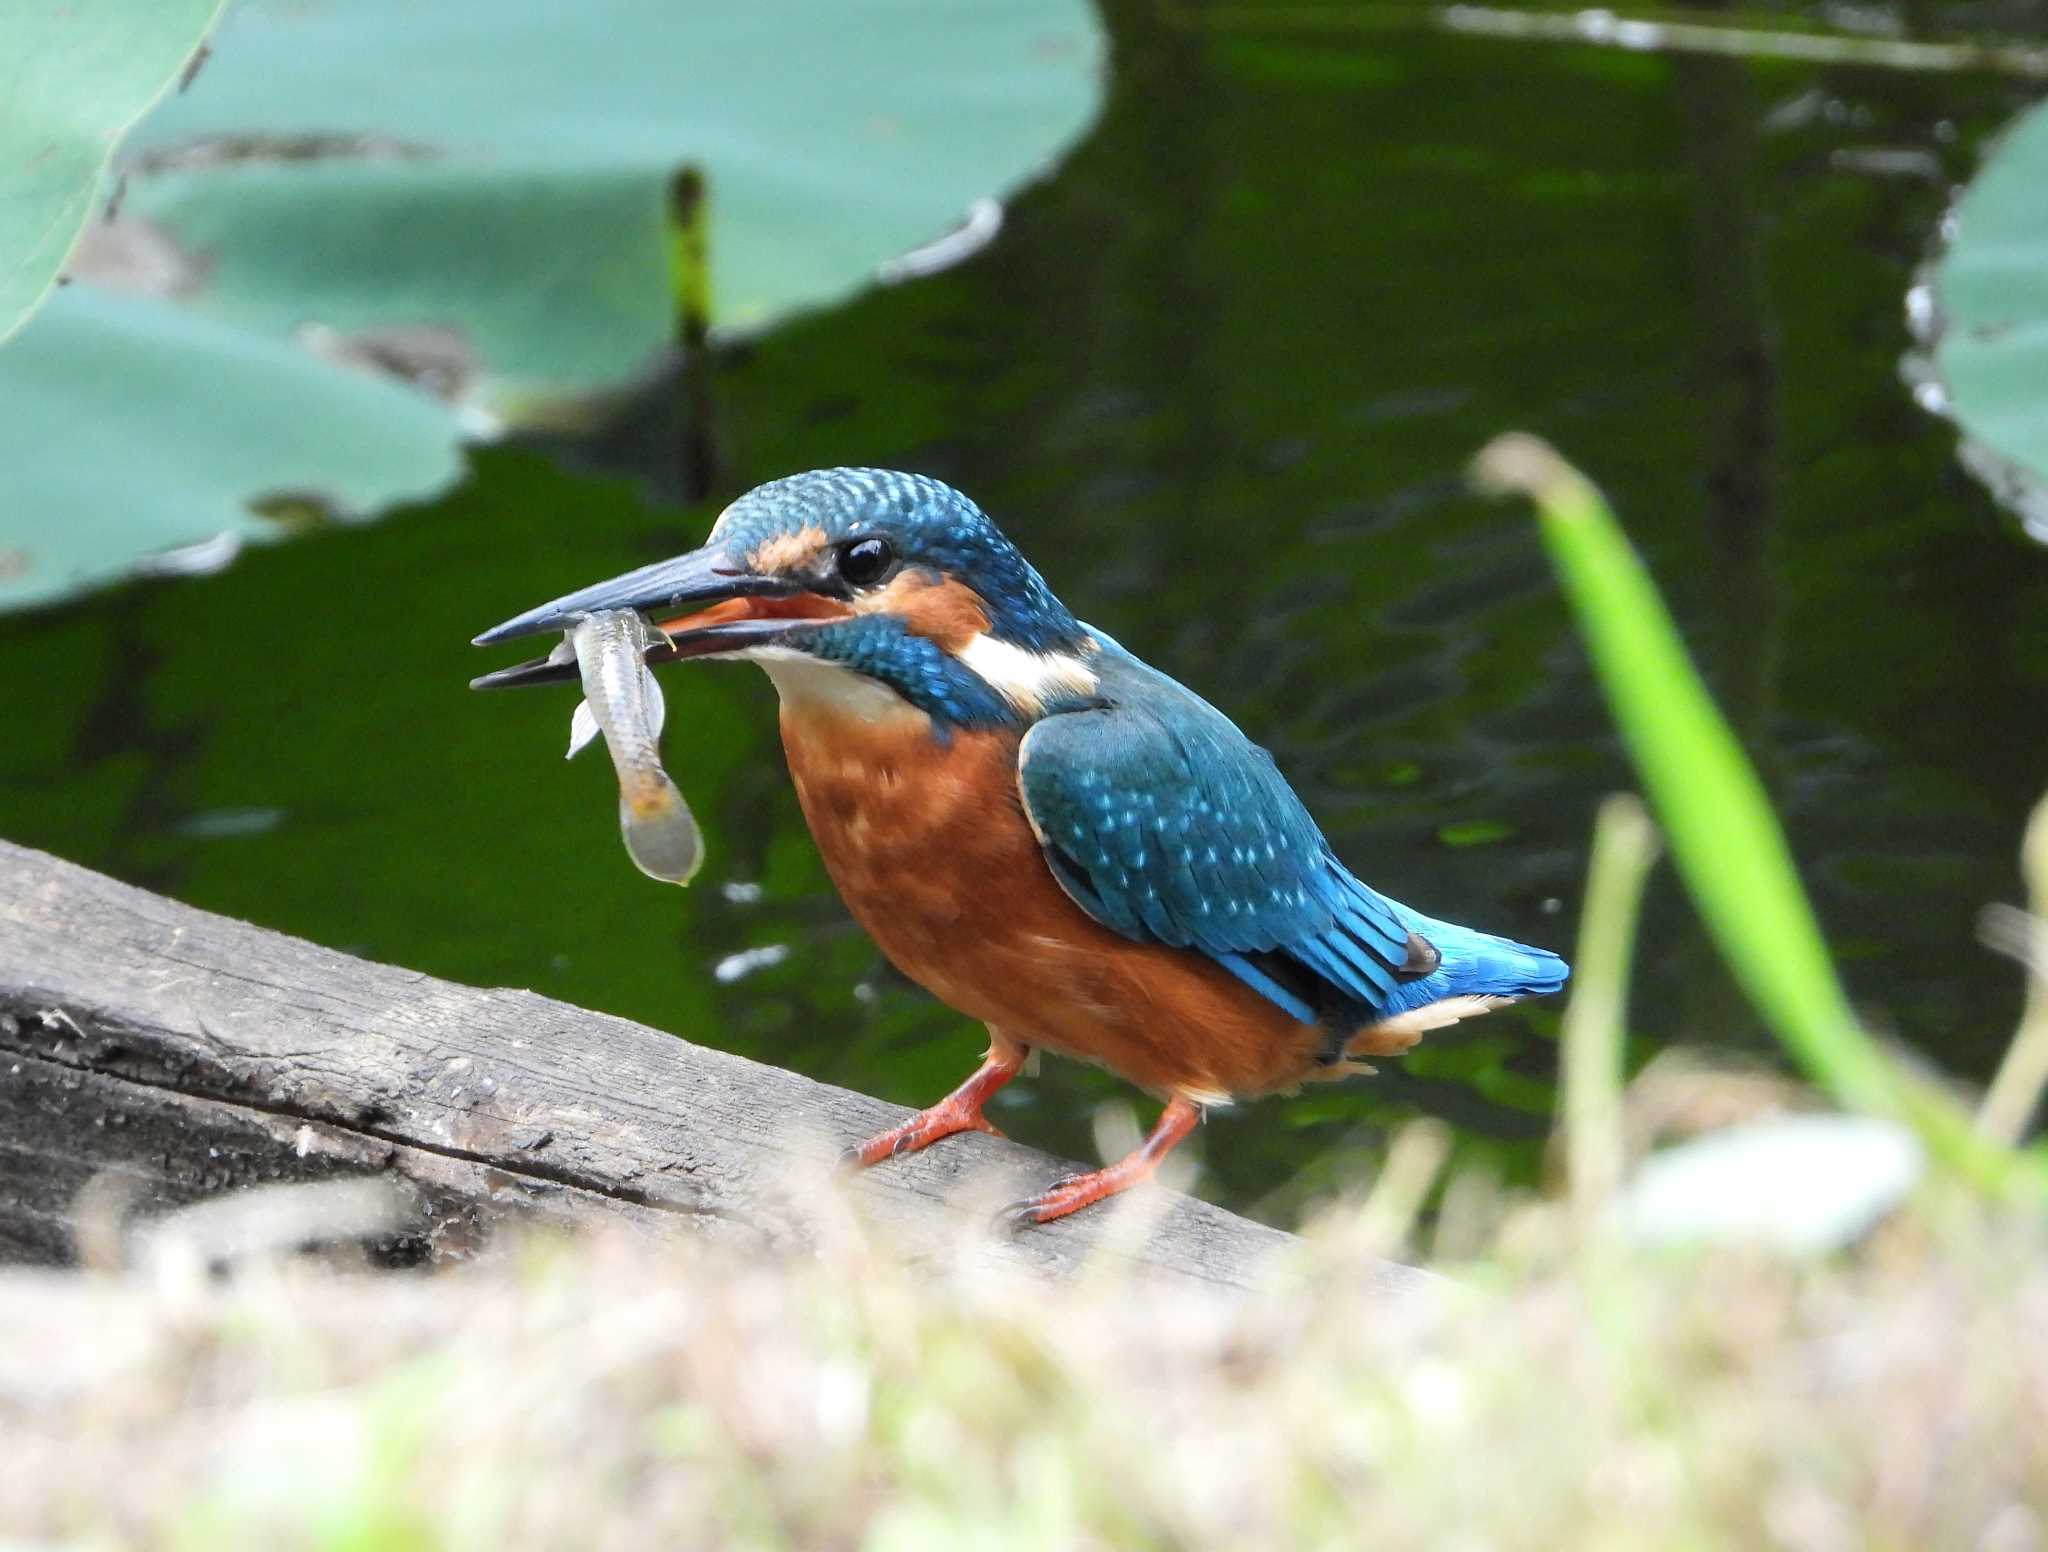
610 1393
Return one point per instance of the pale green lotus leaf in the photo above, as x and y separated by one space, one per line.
74 74
472 197
1991 295
128 428
502 169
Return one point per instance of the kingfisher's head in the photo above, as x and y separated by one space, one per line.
852 582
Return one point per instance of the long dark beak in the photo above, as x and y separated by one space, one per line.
660 591
703 576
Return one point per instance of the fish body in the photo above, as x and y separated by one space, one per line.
622 702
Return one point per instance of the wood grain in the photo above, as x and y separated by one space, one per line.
189 1053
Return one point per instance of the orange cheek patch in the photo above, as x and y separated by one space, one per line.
788 552
939 609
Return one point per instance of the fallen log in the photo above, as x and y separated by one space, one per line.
181 1053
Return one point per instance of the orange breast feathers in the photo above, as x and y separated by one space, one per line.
928 844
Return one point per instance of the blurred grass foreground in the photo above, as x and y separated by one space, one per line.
615 1394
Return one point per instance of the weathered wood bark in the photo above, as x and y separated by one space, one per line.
191 1053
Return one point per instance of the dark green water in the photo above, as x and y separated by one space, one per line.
1218 376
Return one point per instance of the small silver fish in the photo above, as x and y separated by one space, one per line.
622 701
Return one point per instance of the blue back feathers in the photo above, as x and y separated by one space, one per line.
1165 823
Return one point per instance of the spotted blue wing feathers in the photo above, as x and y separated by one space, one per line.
1166 824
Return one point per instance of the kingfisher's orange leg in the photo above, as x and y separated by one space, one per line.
959 1111
1078 1191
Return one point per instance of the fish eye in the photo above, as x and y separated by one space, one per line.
865 562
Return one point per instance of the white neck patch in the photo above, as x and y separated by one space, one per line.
1026 679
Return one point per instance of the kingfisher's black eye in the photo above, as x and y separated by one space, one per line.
865 562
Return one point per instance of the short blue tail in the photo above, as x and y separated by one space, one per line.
1360 967
1475 964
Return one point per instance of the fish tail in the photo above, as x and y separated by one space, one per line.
649 794
660 832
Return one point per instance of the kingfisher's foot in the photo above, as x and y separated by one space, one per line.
920 1131
1064 1196
959 1111
1078 1191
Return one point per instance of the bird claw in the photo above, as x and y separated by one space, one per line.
1047 1205
1015 1218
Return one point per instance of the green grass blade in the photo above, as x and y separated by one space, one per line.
1724 838
2015 1093
1624 850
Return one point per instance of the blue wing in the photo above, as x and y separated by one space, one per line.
1165 823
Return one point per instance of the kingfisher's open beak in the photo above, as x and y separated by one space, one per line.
746 608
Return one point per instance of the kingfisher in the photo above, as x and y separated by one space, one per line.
1043 831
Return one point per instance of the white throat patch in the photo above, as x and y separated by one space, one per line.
1026 679
810 684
